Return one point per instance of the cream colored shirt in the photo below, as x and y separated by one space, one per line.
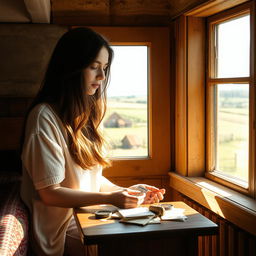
47 161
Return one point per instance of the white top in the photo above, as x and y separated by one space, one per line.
46 161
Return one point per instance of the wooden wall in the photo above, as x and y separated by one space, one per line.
25 50
119 12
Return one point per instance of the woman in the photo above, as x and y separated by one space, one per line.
62 152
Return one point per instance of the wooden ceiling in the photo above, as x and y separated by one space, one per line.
119 12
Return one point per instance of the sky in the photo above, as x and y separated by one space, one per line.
129 71
234 47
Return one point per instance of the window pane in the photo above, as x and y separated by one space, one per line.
126 120
233 47
232 131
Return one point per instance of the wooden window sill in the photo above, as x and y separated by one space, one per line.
227 203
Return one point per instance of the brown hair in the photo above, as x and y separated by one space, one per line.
63 87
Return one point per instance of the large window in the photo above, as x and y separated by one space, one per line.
126 120
231 116
137 122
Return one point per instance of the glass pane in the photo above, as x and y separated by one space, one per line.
233 47
232 131
126 121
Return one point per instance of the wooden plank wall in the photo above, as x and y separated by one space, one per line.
25 50
119 12
231 240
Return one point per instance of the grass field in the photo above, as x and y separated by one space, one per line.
130 109
233 148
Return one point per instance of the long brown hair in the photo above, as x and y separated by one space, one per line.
63 87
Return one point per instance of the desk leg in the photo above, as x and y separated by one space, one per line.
180 246
192 242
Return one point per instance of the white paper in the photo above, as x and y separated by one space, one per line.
174 214
139 212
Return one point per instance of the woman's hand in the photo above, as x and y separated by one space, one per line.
127 198
152 194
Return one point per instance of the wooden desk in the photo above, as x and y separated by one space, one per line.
167 238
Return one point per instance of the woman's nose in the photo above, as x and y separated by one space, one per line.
101 74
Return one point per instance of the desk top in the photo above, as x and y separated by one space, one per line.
96 231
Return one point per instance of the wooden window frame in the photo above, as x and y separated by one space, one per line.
193 152
158 162
211 82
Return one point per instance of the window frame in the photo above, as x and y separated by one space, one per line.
192 152
211 81
190 159
157 38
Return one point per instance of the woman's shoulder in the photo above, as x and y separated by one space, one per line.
42 115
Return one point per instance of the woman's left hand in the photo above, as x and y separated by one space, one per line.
153 194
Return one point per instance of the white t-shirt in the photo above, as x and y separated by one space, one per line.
46 161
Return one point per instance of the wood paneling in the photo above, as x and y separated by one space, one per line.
181 96
119 12
228 204
157 39
211 7
231 240
195 96
25 50
190 100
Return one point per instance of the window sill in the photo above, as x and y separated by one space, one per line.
227 203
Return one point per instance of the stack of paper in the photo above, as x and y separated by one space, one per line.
135 213
139 216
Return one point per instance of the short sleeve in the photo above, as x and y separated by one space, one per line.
44 161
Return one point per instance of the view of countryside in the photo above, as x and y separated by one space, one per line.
126 121
232 106
232 130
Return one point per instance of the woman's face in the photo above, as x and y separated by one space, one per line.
94 74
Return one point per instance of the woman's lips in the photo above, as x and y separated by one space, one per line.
95 86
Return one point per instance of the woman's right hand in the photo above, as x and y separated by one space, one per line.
126 198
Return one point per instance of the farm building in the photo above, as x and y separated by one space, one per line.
117 121
131 141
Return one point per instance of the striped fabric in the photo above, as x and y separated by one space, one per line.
13 218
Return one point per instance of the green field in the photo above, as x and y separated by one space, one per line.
233 148
128 108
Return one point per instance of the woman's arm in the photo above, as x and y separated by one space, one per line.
108 186
152 194
58 196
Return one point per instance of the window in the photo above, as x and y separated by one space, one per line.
126 120
215 86
230 93
152 108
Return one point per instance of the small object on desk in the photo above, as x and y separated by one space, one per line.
99 207
167 206
142 189
176 214
102 214
157 209
135 213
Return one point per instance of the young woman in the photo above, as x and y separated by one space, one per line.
62 152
